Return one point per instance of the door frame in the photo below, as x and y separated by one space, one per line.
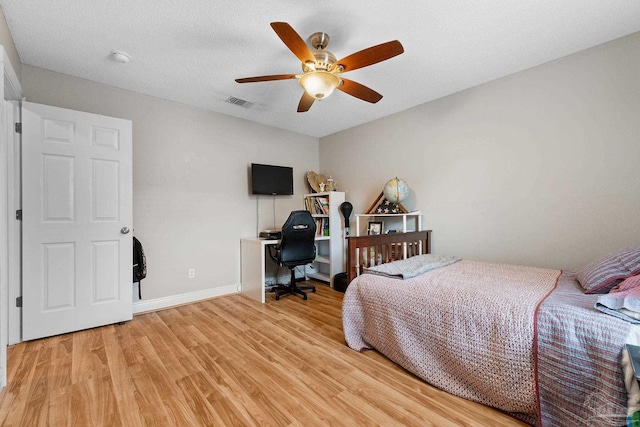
14 237
10 90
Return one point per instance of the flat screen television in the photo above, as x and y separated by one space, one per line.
272 180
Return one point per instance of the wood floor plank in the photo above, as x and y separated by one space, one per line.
60 404
125 395
15 395
36 410
227 361
148 398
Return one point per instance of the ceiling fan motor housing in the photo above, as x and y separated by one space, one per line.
324 59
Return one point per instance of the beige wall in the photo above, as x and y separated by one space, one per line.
538 168
6 40
190 179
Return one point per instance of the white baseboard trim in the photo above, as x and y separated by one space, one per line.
166 302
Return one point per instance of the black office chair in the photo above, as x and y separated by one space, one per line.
297 247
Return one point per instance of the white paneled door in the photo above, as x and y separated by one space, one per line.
77 214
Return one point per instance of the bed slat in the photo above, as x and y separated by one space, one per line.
368 251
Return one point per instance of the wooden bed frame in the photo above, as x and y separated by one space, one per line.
367 251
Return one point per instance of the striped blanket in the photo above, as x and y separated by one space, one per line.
579 349
470 329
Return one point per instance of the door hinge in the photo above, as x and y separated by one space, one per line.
19 302
18 127
19 214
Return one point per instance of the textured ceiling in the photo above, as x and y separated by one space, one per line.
191 51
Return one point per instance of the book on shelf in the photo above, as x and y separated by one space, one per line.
322 226
324 204
317 205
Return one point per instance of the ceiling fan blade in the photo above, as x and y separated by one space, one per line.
294 42
359 91
266 78
371 55
305 102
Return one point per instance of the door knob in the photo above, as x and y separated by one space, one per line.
125 230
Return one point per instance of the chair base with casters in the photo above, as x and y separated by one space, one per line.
292 288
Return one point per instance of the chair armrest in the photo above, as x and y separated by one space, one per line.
274 256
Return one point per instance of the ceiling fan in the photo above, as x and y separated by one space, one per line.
320 69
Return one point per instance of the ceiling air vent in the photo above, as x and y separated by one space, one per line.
239 102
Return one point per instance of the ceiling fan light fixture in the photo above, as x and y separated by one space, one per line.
319 84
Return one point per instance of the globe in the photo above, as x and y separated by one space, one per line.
396 190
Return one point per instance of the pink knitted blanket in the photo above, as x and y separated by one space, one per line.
467 328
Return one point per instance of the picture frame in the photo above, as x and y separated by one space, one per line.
375 228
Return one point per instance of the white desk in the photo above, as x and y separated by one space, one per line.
252 260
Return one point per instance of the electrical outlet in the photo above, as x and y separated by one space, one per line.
192 273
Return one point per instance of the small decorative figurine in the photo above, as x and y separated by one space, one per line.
330 184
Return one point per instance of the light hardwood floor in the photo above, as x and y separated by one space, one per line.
228 361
